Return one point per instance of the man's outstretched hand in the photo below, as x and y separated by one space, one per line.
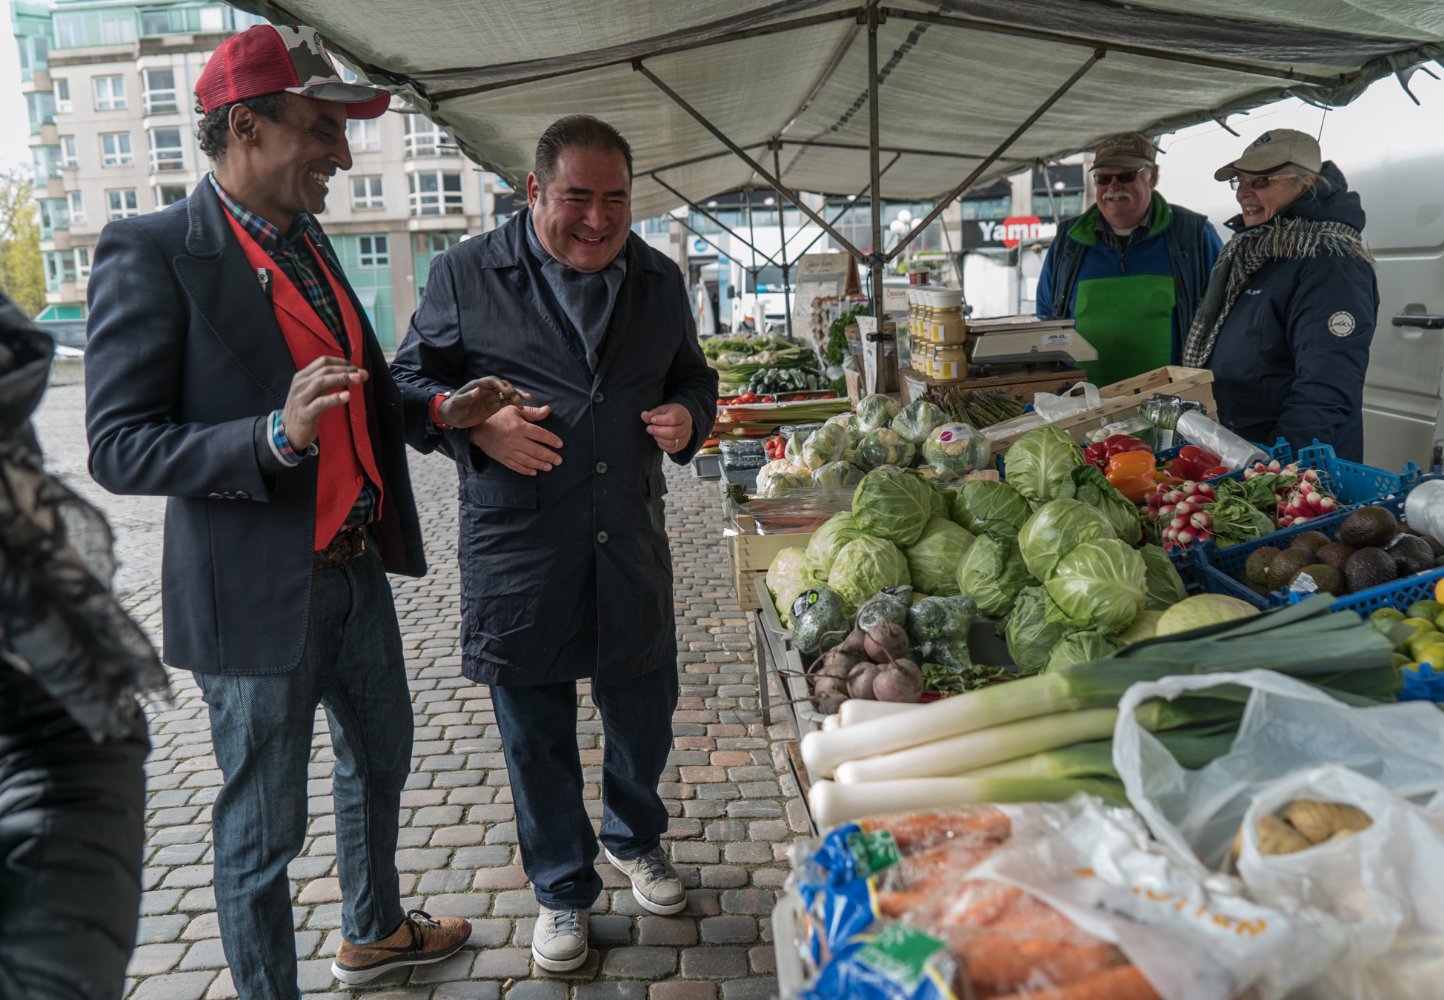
480 400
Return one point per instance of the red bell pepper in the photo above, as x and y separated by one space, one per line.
1118 443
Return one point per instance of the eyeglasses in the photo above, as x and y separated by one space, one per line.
1122 177
1257 183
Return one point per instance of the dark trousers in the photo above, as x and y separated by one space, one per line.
261 727
72 816
539 737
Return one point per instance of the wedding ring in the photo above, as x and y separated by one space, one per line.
676 442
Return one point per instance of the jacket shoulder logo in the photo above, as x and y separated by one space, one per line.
1341 324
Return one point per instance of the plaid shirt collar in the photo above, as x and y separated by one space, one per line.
266 235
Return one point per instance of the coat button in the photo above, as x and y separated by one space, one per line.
602 537
598 397
601 468
242 495
213 496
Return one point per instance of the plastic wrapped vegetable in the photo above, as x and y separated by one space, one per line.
819 620
931 619
1029 633
1099 584
1054 529
875 412
933 559
787 577
1040 464
1165 586
776 478
954 450
916 420
993 573
795 441
826 444
884 447
837 474
848 421
1094 489
986 506
893 504
889 605
827 541
864 566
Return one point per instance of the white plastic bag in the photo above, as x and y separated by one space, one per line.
1055 406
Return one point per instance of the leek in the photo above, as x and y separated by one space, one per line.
832 803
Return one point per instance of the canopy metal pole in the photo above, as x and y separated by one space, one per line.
846 208
710 217
1048 185
782 235
752 268
874 167
1053 98
858 147
741 154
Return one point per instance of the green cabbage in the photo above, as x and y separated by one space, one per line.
1030 635
1165 586
864 566
954 450
1145 626
884 447
992 573
1200 610
942 500
827 541
826 444
986 506
875 411
933 559
917 420
837 474
787 577
1082 646
1040 464
1094 489
1099 583
1054 529
892 503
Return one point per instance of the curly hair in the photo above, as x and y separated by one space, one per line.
213 131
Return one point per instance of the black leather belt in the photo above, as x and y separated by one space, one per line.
347 545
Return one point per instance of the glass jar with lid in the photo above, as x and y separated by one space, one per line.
949 327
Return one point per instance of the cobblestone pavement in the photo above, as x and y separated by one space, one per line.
734 806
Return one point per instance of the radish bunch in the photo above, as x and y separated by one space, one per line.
1181 511
1300 495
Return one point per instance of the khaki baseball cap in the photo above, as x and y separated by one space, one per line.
1275 148
1129 150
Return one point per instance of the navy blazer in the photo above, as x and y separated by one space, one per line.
184 355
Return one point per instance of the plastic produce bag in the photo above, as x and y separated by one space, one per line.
1051 406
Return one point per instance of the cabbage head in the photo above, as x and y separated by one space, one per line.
875 412
1099 584
864 566
893 504
954 450
837 474
1082 646
826 444
1145 626
1054 529
942 499
787 577
993 573
1165 586
884 447
827 541
986 506
1094 489
917 420
933 559
1040 464
1030 635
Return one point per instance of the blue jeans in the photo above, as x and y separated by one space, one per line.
539 736
261 727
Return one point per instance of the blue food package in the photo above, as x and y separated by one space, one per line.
895 963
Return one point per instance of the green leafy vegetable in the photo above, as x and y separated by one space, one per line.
787 577
893 504
1165 586
1081 646
992 573
1040 464
917 420
986 506
1094 489
875 412
1030 634
884 447
934 558
1053 531
827 541
864 566
1099 583
954 450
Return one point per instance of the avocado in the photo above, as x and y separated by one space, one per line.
1256 568
1411 554
1335 554
1286 565
1311 541
1368 527
1328 579
1369 567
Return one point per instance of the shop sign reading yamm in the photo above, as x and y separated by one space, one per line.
1014 230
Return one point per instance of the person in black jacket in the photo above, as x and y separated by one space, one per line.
72 734
1289 314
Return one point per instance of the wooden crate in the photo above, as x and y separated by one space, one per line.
752 554
1020 385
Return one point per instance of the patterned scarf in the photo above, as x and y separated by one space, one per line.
1280 239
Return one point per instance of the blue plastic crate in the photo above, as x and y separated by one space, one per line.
1213 581
1422 684
1397 594
1280 451
1352 482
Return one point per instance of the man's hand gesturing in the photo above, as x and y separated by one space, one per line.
479 400
322 385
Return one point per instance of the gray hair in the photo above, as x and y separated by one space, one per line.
576 132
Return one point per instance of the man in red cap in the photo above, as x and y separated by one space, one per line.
232 369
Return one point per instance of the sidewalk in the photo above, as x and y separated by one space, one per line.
735 808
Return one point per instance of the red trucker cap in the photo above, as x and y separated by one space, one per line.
269 59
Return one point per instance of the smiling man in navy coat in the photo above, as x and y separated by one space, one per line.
231 369
565 569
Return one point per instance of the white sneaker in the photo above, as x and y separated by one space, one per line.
655 883
559 942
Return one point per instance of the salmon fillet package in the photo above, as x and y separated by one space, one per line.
1044 901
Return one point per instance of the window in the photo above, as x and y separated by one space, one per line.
165 149
123 203
986 208
364 135
432 243
435 192
61 89
214 19
69 154
160 91
109 93
115 149
77 207
425 138
372 251
82 262
168 194
117 29
59 267
366 192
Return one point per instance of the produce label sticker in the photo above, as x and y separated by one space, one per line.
900 953
872 852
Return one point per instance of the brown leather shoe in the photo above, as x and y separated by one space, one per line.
420 940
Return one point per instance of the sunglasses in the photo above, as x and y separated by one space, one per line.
1122 177
1257 183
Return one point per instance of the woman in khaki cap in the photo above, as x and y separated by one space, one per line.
1286 322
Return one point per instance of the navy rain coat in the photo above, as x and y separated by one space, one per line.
1292 352
567 574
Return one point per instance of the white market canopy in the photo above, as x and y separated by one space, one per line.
966 90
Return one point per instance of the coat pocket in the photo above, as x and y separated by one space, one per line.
493 491
656 486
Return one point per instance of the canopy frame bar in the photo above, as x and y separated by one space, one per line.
876 260
858 147
749 244
782 242
838 217
692 161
